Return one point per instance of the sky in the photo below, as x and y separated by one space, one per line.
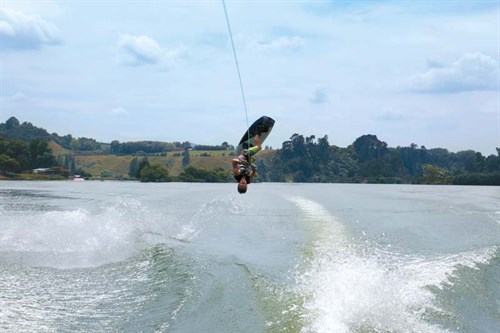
423 72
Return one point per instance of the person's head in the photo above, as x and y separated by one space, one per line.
242 185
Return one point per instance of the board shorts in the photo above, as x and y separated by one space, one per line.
250 152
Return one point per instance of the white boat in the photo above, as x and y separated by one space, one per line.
78 178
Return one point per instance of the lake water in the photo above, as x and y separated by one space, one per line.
177 257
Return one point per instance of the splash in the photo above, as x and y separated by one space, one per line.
209 212
350 286
72 238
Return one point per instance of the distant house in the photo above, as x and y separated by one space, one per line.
42 170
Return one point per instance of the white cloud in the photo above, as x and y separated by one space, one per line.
144 50
22 31
119 111
18 97
282 42
472 72
6 29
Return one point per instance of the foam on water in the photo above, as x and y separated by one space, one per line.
496 216
351 286
209 210
125 296
73 238
108 233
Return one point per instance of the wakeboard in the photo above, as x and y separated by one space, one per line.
262 127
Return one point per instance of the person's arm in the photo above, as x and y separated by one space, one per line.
236 167
252 172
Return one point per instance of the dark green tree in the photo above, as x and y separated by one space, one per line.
492 163
191 174
468 161
368 147
144 163
8 164
25 132
133 169
154 173
12 123
41 154
115 146
19 151
324 148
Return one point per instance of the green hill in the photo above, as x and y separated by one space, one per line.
13 130
112 166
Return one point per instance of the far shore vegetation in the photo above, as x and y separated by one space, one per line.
28 152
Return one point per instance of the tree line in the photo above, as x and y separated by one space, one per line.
17 156
300 159
142 170
13 130
160 148
368 159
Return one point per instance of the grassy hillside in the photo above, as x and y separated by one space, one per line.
58 150
114 166
98 165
